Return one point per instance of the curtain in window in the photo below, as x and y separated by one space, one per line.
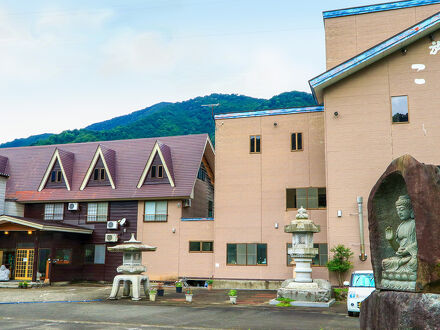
92 211
252 254
241 254
156 211
102 211
150 211
53 211
99 254
161 211
301 198
48 211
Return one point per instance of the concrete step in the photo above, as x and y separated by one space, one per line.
14 284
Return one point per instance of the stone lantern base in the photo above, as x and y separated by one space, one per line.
313 294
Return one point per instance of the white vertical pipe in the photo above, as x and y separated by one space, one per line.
360 201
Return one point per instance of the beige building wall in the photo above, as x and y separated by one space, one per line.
172 258
362 141
348 36
250 196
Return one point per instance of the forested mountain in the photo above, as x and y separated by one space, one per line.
25 141
166 119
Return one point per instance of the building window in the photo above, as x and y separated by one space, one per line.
309 198
320 259
255 146
94 254
246 254
296 141
200 246
210 209
156 211
399 108
201 174
97 212
157 171
99 174
56 176
54 211
63 256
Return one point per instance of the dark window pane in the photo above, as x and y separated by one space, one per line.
96 174
153 171
102 174
261 254
290 198
231 254
293 141
210 209
300 142
252 143
53 176
63 256
399 105
322 197
207 246
89 254
194 246
258 143
59 176
160 171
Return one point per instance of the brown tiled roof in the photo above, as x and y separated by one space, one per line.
110 160
27 166
3 165
67 158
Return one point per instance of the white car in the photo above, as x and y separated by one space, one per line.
360 287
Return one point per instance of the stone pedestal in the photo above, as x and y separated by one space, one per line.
400 310
302 289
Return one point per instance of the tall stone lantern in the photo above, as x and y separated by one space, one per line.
303 290
302 250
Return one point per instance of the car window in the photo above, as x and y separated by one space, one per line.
362 280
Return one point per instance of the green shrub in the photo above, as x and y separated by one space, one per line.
340 262
209 282
232 293
179 284
340 293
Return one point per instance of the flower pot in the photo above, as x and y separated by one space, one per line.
160 292
178 289
233 299
189 297
209 287
152 297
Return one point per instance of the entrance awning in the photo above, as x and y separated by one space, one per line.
44 225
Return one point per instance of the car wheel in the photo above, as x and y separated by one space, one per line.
350 313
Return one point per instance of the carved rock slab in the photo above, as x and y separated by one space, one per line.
405 175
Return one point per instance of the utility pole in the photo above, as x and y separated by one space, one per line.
212 108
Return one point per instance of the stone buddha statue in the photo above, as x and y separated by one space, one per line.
399 272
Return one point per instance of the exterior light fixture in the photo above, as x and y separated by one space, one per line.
276 225
173 230
6 232
29 232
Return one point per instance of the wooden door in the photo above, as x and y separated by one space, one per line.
24 264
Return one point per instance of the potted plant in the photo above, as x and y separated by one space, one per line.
179 287
20 285
209 282
232 296
160 289
25 285
188 295
152 292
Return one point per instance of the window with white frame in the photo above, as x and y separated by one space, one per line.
156 211
54 211
97 212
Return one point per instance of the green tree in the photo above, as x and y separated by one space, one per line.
340 262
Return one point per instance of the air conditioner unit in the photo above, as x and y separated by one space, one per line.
187 203
111 237
112 225
72 207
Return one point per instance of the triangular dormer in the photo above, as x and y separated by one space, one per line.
101 171
159 168
59 171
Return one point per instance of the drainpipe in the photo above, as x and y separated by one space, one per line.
360 200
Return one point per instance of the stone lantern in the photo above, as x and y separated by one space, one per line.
303 290
131 269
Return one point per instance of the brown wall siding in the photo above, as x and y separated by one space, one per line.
203 192
149 179
62 184
117 211
98 183
348 36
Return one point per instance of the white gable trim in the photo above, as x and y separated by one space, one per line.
156 150
98 154
55 157
48 227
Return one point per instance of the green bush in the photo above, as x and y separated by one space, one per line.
232 293
209 282
340 262
340 293
179 284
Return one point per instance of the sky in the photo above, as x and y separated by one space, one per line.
65 64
